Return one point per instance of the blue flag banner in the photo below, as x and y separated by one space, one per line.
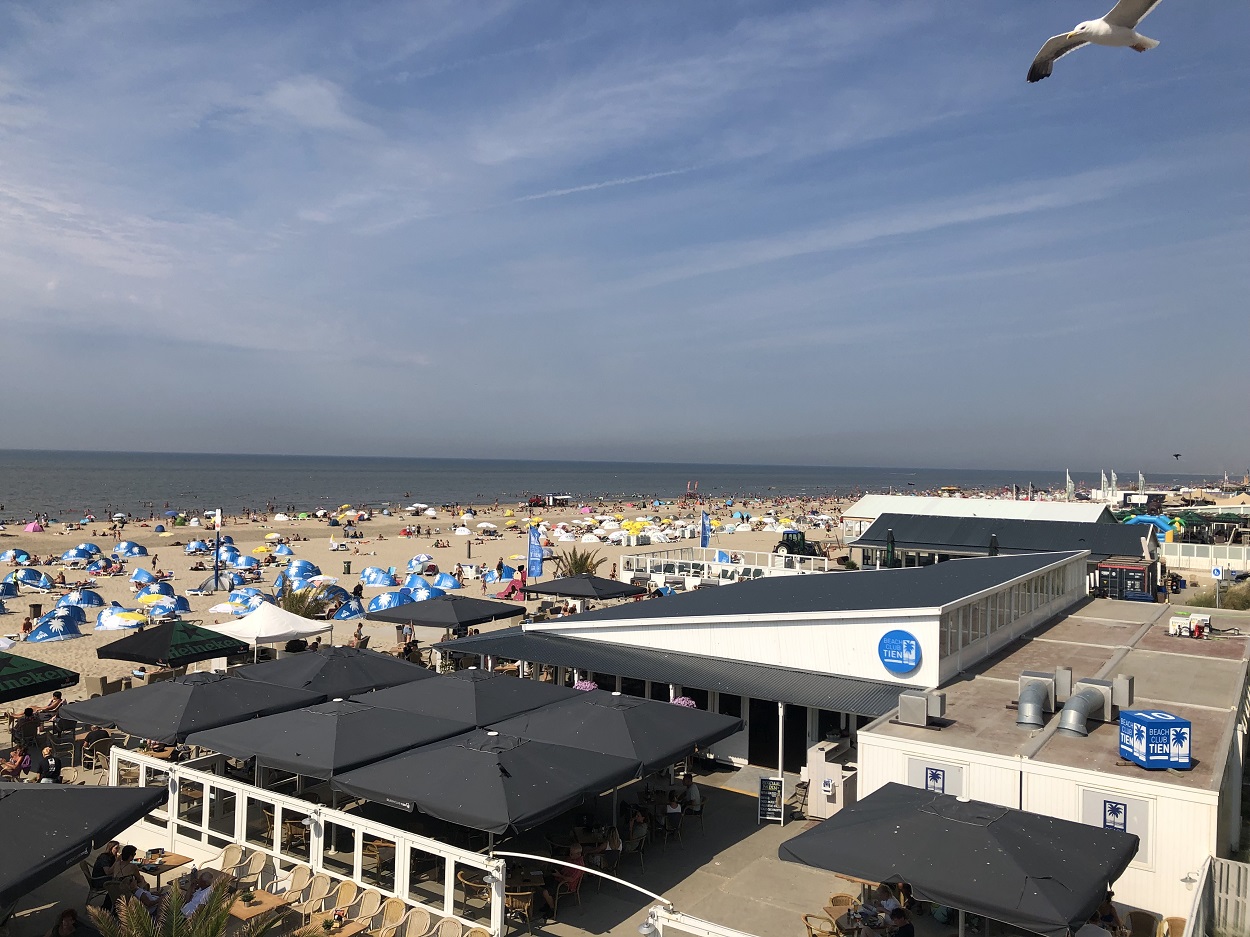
534 559
705 530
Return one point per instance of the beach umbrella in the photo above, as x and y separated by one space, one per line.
244 593
262 550
83 598
50 828
283 550
31 578
23 676
327 739
152 598
655 734
142 575
119 516
130 548
463 532
447 581
167 605
351 610
303 515
447 612
376 576
332 593
15 556
226 538
389 600
336 671
159 528
586 586
430 512
54 629
91 548
304 569
119 619
477 697
75 555
223 608
417 563
1042 874
155 588
196 546
488 781
171 710
273 536
33 528
8 590
487 525
246 562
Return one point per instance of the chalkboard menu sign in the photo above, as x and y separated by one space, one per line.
772 806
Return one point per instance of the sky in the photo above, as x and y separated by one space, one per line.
842 233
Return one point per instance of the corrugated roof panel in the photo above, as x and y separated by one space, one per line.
958 534
873 506
803 688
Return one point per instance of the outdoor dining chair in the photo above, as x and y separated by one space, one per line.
474 888
1142 924
672 827
696 813
416 923
249 872
448 927
228 859
519 906
818 926
96 757
314 897
573 887
635 847
366 905
292 885
93 890
1174 927
389 917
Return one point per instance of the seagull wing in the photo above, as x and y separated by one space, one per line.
1056 47
1128 13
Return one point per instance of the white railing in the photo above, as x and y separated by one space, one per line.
703 563
1205 556
1221 906
207 811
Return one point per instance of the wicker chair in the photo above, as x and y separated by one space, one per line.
1142 924
1173 927
572 887
474 888
314 897
367 905
448 927
518 906
390 916
417 923
93 890
819 926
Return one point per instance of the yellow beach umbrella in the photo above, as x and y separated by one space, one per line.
273 536
261 549
345 507
152 599
619 517
511 523
516 556
509 513
130 616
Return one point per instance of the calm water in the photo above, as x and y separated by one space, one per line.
66 484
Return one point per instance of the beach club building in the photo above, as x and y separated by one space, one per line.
863 513
804 660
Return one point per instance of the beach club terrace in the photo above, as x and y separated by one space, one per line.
803 660
863 513
700 567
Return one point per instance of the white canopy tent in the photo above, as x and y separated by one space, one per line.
272 625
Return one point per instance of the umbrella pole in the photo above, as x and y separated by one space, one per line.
961 922
781 758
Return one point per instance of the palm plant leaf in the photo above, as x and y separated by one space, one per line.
309 602
211 919
577 562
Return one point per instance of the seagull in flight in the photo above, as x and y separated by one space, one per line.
1176 456
1117 28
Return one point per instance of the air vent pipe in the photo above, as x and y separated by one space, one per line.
1031 708
1077 709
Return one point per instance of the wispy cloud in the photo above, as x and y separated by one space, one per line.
606 184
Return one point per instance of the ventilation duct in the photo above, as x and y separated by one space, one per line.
917 707
1092 699
1036 698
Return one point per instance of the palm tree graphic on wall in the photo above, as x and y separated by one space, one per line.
1139 740
1113 815
1179 743
935 780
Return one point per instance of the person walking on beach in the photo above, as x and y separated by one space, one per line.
155 559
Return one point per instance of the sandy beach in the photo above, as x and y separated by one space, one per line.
381 545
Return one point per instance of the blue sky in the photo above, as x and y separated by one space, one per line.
829 233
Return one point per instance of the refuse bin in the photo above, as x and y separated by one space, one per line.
347 567
36 609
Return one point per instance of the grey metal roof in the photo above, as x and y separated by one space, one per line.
914 587
803 688
972 535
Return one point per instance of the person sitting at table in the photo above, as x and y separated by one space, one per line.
127 874
18 763
562 876
899 925
51 708
49 767
25 726
691 796
68 925
94 734
102 870
673 807
1107 917
605 854
905 897
638 827
201 887
884 900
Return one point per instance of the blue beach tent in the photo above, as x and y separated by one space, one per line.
83 598
447 581
389 600
8 590
58 629
376 576
283 550
423 591
109 620
351 609
130 548
142 575
75 555
155 588
91 548
30 578
15 556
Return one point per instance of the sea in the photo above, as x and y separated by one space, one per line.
67 485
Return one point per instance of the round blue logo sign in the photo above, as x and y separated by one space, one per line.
899 651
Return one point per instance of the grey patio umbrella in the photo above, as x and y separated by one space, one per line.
336 671
488 781
586 586
172 644
49 827
171 710
478 697
448 612
652 733
324 740
1036 872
